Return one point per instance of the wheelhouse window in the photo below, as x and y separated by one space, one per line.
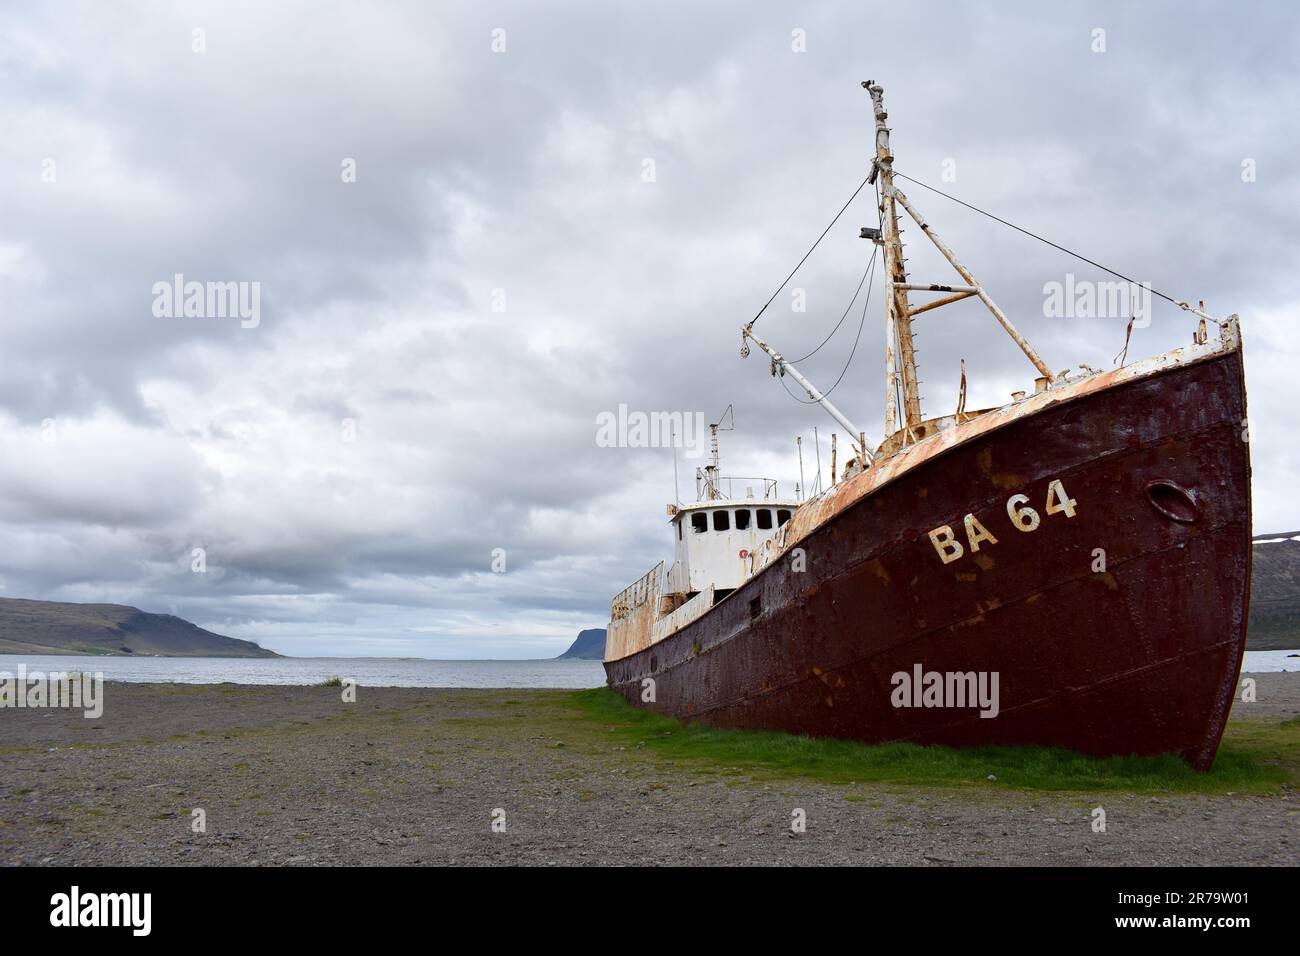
765 519
699 522
782 516
679 530
742 519
721 520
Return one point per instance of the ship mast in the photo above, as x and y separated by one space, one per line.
900 370
900 364
898 320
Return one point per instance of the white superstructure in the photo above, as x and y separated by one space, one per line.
714 539
715 543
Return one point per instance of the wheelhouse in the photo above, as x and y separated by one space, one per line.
714 539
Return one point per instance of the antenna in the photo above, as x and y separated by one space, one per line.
798 441
714 469
818 442
672 440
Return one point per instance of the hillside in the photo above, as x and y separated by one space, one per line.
51 627
589 646
1275 594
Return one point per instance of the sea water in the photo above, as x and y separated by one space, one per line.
392 671
366 671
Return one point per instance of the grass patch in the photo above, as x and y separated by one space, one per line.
1256 756
334 681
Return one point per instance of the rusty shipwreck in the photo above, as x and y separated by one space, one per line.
1088 544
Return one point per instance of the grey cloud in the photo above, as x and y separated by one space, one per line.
521 172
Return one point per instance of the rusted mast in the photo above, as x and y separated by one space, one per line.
898 324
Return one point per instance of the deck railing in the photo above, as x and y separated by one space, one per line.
644 590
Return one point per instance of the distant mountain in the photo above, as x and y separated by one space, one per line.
590 646
51 627
1275 594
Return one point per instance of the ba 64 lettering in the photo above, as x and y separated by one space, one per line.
1022 516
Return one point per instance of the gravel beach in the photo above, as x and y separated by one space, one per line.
292 775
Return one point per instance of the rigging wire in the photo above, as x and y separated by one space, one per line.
847 309
810 250
866 304
1069 252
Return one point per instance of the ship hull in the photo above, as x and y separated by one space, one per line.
1117 629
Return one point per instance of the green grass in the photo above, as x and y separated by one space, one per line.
335 681
1256 756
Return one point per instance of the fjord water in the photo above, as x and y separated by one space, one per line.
366 671
391 671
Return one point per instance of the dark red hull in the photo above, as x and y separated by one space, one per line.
1141 658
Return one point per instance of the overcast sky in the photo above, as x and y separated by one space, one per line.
501 271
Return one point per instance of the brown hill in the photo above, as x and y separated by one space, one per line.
1275 594
52 627
589 646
